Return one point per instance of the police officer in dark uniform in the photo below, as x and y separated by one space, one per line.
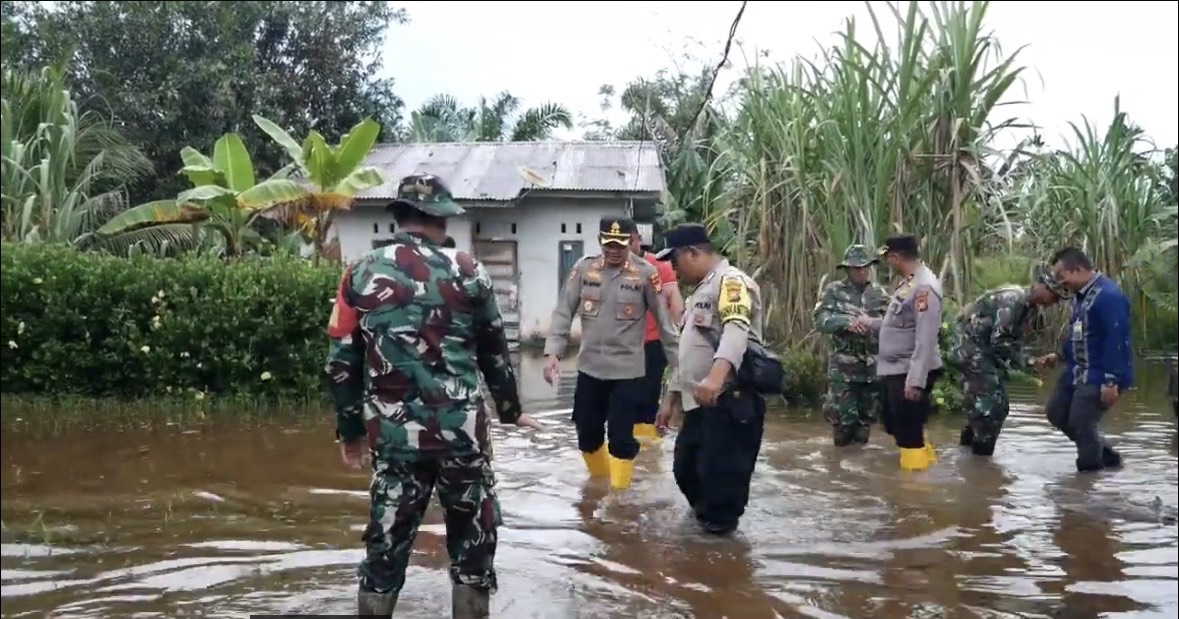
717 447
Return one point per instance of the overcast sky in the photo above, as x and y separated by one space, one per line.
1082 53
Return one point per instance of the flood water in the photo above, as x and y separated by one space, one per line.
227 521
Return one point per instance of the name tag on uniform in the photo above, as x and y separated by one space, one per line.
1078 329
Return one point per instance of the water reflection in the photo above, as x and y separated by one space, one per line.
222 522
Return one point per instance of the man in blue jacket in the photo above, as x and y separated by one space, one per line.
1097 352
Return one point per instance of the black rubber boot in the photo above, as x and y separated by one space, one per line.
373 604
1088 467
966 438
467 602
1110 458
841 436
980 448
861 434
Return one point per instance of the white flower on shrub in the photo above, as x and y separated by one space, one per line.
20 327
155 322
38 281
200 395
184 354
267 376
12 344
145 349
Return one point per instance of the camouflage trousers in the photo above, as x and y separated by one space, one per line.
984 391
399 495
851 406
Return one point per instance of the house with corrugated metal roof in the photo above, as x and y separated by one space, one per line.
532 210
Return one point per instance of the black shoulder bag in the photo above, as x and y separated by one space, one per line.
760 371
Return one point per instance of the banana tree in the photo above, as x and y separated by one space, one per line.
337 173
225 198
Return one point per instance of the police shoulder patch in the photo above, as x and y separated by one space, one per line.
921 300
655 281
734 302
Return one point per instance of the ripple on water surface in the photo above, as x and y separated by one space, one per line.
239 525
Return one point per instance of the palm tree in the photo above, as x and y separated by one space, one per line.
443 119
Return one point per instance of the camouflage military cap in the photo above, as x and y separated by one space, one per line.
428 194
857 256
1042 274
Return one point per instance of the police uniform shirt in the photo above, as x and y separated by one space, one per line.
909 329
726 304
612 304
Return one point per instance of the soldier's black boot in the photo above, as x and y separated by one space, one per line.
1110 459
373 604
467 602
983 448
861 434
842 436
966 438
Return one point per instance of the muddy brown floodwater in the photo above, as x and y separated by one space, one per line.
225 521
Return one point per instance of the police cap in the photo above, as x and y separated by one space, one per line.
683 235
616 230
904 243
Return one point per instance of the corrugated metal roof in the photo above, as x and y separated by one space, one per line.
489 171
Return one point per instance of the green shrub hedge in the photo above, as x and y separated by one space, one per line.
77 323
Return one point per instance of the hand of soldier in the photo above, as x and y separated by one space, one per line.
354 453
912 393
1049 360
551 371
528 421
857 325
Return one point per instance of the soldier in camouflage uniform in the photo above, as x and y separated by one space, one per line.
853 394
413 326
990 335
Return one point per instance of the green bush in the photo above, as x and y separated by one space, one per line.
77 323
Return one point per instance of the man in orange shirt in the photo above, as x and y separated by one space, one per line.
656 360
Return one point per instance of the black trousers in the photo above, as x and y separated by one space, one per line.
1076 410
715 454
606 409
905 419
656 361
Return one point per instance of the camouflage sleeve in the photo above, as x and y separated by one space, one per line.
828 319
491 349
1005 340
562 319
345 363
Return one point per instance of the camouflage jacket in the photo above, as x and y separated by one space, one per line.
991 330
852 354
413 325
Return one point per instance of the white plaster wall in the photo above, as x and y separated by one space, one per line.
356 232
538 236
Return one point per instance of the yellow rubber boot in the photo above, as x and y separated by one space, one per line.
646 434
597 462
620 473
914 459
930 452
